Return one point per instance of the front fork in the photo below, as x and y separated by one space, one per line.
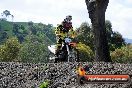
67 47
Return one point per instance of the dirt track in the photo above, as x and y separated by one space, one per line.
63 75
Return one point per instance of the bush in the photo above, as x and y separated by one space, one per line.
122 55
85 53
9 51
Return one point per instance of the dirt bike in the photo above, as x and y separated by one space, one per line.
67 53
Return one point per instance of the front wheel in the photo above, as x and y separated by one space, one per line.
74 55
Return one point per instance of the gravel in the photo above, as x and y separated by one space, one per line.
61 75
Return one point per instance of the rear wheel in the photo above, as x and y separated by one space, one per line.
51 57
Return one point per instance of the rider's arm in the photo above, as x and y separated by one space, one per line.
56 31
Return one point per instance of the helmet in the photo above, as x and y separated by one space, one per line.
69 17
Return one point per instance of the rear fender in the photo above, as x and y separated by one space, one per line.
52 48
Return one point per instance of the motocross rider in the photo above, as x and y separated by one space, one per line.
62 30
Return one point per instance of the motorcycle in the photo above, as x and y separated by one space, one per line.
67 53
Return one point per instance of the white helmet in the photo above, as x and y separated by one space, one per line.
69 17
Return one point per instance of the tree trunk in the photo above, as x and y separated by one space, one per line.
96 10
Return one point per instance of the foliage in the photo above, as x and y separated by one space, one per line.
33 50
85 53
3 36
50 32
23 29
47 30
122 55
5 31
9 51
19 31
115 39
86 36
34 38
44 84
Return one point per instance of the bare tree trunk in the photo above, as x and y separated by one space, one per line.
96 10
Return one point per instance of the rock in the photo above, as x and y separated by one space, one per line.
27 75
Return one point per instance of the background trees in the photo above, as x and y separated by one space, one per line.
32 37
115 39
28 41
85 35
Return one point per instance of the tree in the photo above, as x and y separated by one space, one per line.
85 35
7 13
30 25
33 50
19 31
9 51
96 10
115 39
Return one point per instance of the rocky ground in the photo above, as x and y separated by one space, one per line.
61 75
